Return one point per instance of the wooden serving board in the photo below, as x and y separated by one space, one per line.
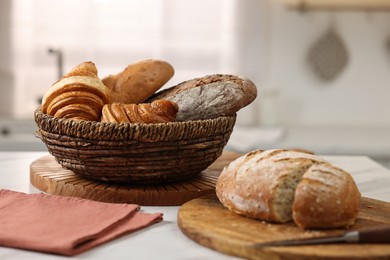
207 222
49 176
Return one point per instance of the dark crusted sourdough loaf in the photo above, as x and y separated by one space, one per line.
209 96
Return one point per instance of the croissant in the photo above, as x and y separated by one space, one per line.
80 94
159 111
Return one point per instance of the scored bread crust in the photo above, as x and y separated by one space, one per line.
138 81
326 197
209 96
254 185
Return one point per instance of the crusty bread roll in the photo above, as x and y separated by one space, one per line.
159 111
284 185
80 94
138 81
209 96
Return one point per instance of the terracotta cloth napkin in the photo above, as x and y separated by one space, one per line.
65 225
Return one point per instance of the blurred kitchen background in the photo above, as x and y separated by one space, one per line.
322 67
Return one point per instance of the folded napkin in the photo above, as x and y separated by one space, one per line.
65 225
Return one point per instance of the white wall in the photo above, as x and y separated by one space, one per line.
109 35
359 96
196 37
259 39
6 72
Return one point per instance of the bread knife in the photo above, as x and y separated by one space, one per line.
375 235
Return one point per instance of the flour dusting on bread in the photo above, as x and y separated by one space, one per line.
264 184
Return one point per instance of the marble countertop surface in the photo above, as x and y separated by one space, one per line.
165 240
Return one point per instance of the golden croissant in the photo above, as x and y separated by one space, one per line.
80 94
159 111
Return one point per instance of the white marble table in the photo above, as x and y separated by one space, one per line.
164 240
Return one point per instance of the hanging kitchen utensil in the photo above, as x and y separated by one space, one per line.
329 55
387 44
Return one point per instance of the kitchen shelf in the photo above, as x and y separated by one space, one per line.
339 5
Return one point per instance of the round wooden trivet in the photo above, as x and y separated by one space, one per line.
48 176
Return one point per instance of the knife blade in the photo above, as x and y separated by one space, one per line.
373 235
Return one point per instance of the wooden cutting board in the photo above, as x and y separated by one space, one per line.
48 176
207 222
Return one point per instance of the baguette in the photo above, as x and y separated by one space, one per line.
282 185
209 96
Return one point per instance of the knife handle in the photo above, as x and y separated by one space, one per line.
375 235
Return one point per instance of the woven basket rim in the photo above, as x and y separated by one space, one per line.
133 131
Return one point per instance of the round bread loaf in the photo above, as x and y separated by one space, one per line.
284 185
209 96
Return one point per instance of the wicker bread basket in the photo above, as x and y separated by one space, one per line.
134 153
